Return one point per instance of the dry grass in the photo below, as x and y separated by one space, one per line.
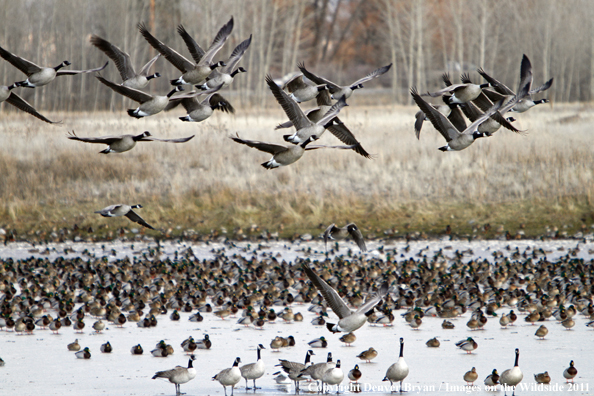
544 177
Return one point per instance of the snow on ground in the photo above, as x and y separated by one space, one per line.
40 364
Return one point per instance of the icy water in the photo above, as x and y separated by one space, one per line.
40 364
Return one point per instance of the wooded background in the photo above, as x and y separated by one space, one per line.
340 39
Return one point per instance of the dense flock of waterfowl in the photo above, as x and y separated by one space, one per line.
75 295
257 289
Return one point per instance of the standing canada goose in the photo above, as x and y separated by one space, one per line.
39 76
293 369
492 379
122 61
317 371
470 376
178 375
368 355
84 354
542 378
513 376
467 345
253 371
149 104
124 210
525 78
120 144
333 376
541 332
337 127
334 232
399 370
336 91
230 376
303 126
283 155
10 97
74 346
570 372
192 73
349 320
456 140
300 91
199 110
224 75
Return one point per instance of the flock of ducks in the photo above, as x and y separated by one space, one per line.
438 286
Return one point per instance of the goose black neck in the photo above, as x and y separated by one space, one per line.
173 91
304 144
307 358
61 65
138 137
234 73
517 358
190 364
235 363
153 76
401 349
258 353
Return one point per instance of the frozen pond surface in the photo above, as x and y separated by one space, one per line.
40 364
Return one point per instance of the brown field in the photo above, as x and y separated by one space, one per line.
539 180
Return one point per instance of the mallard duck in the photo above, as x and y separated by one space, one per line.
318 343
568 323
467 345
368 355
348 338
473 324
446 324
532 317
229 376
542 378
492 379
319 321
245 320
355 374
196 317
74 346
298 317
84 354
570 372
205 343
433 343
55 325
178 375
513 376
78 326
504 320
541 332
288 315
471 376
160 350
276 343
189 345
253 371
99 326
223 313
174 315
398 371
106 348
136 350
512 317
416 322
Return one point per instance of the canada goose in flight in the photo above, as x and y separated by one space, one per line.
300 91
349 320
10 97
346 91
224 75
459 93
178 375
120 144
229 376
513 376
193 73
304 127
124 64
337 128
149 104
457 140
283 155
38 76
334 232
525 78
124 210
199 109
